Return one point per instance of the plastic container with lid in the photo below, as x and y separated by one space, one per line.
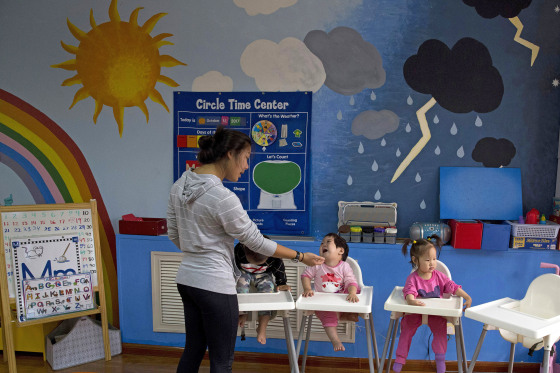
379 235
356 234
344 232
391 235
367 234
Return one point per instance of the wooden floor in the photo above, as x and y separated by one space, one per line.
132 363
151 359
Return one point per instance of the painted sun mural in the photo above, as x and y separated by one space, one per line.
118 63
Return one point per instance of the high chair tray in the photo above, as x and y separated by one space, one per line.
500 314
281 300
449 307
336 302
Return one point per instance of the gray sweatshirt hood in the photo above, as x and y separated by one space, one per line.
196 185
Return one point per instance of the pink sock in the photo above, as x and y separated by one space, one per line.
440 363
397 367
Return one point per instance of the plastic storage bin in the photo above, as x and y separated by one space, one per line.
379 235
367 234
548 230
466 234
344 232
495 236
146 226
356 234
391 235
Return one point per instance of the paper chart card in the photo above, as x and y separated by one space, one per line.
52 296
39 257
25 224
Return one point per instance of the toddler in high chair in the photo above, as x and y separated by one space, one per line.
262 272
426 282
333 276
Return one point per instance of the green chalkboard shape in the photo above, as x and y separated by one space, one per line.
277 177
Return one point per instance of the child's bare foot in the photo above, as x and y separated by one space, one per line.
333 336
242 320
261 328
261 334
346 316
338 346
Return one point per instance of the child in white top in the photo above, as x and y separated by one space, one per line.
426 282
333 276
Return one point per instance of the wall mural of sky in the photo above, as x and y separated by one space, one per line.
400 88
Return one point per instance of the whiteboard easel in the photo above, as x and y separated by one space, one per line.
9 318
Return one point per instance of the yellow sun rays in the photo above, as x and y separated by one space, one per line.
118 63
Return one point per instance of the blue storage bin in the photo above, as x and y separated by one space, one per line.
495 236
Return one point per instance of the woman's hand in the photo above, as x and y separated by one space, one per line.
284 288
311 259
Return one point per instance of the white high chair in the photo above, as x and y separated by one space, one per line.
337 302
450 308
281 301
534 320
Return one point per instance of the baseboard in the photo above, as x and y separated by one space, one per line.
327 361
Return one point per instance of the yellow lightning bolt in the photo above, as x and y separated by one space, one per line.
426 135
534 48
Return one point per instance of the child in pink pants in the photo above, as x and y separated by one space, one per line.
333 276
425 282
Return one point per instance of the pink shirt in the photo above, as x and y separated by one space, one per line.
335 279
435 287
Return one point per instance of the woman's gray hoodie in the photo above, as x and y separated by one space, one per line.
203 220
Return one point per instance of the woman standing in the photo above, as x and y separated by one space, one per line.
204 218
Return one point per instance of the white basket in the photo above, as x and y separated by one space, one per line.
548 230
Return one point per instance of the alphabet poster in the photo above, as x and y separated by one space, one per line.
51 296
39 257
275 190
20 225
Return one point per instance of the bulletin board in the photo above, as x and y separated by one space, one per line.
484 193
49 249
275 190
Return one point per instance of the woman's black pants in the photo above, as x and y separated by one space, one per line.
210 322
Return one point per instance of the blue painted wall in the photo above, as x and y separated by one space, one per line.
485 275
213 38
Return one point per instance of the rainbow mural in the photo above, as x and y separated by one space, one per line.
54 170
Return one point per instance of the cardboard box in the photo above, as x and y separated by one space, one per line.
533 243
555 219
146 227
495 236
466 234
79 341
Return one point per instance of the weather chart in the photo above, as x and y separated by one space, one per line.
274 190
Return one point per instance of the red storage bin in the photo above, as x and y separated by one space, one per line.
466 234
146 226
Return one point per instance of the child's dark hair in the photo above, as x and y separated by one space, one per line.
421 246
340 242
252 256
215 147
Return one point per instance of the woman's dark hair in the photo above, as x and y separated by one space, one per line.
421 246
215 147
340 242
